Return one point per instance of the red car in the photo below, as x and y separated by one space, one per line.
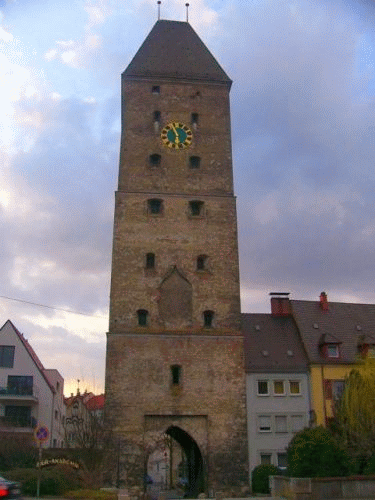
9 489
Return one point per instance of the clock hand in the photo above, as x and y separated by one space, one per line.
177 139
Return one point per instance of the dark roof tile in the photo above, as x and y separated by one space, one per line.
173 50
278 336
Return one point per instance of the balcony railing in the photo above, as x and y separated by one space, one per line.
17 391
14 421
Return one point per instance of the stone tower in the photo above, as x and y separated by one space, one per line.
175 360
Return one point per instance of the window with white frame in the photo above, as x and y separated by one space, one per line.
278 388
264 423
266 458
263 388
281 423
294 387
297 423
282 460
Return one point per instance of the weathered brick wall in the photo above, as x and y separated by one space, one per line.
209 404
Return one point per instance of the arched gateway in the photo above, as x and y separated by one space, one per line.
174 462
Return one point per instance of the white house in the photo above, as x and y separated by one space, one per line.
277 384
30 395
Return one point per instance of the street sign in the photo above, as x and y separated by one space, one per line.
41 433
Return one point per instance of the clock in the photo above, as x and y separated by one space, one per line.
176 135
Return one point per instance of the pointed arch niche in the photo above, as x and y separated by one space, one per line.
176 300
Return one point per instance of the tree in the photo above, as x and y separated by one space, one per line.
91 442
355 413
316 453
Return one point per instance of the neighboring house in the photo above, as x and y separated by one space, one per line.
334 335
277 386
30 395
84 412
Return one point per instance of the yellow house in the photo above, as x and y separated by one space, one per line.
334 335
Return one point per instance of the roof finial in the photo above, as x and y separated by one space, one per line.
187 12
159 2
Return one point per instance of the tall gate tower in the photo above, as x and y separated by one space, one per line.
175 359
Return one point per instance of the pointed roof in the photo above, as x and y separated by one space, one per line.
173 50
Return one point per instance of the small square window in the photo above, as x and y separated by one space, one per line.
297 423
263 388
278 387
294 387
282 460
281 423
265 458
155 160
264 423
208 317
194 161
157 116
155 206
155 89
194 118
196 208
332 351
6 356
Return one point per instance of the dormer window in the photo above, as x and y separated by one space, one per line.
329 346
332 351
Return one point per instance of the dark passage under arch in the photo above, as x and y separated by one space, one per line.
194 460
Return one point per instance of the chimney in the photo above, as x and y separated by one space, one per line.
280 305
323 301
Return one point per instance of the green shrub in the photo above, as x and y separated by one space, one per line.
370 467
260 477
91 495
54 481
315 453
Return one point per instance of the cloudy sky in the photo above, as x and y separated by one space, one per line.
303 127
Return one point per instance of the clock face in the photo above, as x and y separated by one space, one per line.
176 135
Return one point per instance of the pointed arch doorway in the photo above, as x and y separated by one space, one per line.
181 465
193 468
